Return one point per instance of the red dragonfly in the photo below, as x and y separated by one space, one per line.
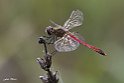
64 40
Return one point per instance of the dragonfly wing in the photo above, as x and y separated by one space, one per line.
66 44
74 20
77 35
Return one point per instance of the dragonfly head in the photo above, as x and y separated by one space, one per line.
49 30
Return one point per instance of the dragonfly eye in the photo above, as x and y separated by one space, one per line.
50 31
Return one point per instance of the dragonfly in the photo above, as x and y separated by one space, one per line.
64 40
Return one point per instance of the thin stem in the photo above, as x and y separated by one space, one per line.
45 48
45 64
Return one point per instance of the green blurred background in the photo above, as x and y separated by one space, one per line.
23 21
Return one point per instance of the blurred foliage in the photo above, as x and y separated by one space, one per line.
23 21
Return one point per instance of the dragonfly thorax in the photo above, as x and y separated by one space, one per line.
56 31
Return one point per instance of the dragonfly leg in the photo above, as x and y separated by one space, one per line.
54 52
47 39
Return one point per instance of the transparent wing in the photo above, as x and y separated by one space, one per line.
75 19
66 44
77 35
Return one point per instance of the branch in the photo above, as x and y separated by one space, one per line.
45 63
